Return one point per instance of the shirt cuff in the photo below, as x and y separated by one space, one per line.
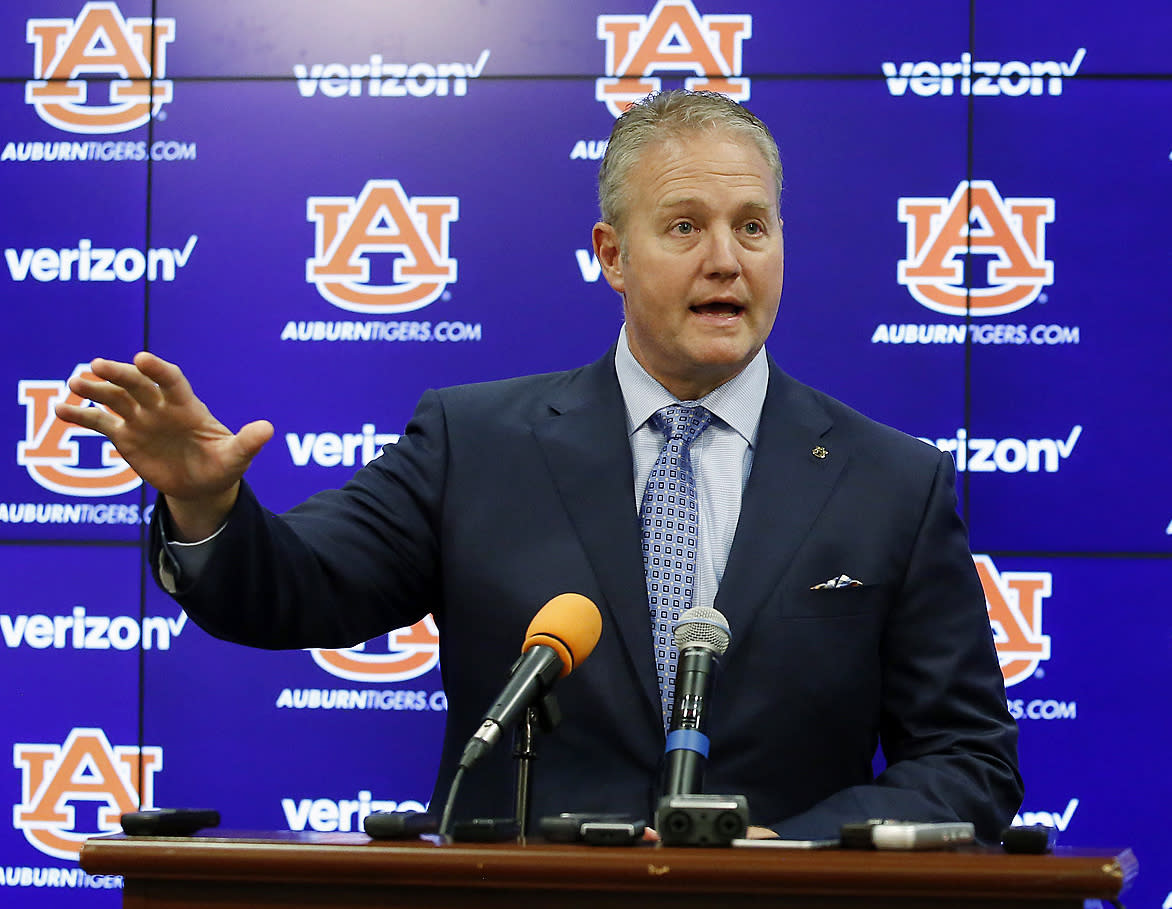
184 560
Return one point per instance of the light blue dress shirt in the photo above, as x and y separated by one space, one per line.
722 456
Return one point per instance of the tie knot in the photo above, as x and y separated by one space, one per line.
682 421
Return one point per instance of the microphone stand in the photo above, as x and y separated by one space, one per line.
544 715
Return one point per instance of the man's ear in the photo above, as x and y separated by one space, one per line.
608 251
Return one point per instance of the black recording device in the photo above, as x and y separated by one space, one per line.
891 833
1034 839
168 821
486 830
593 829
399 825
702 820
858 835
567 826
613 833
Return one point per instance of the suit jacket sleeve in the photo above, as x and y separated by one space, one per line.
338 569
945 732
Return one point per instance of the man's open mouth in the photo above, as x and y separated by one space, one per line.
718 308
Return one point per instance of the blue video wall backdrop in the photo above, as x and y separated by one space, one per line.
321 210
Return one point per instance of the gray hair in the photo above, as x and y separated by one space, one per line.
670 115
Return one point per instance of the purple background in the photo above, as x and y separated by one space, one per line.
851 150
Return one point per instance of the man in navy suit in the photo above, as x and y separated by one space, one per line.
831 543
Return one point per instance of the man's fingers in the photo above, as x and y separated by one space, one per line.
127 376
90 417
253 436
167 376
113 396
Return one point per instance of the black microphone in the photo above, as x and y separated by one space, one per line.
702 636
561 635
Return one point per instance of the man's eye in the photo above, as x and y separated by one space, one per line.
754 228
685 227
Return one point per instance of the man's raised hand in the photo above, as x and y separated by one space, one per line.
169 437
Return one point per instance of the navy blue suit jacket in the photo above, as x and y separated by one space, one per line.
502 495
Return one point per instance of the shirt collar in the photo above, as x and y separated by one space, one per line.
737 402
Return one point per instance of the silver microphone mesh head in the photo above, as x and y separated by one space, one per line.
702 625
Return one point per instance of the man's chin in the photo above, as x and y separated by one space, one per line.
725 357
709 369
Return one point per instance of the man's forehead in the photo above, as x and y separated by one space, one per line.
676 162
762 203
686 145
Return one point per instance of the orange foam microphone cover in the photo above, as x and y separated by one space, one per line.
570 624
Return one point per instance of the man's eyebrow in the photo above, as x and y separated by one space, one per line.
679 202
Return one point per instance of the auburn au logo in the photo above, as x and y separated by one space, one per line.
382 219
976 220
55 778
99 44
675 38
1014 600
410 653
51 452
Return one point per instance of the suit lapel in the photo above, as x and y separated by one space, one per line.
788 487
585 443
584 440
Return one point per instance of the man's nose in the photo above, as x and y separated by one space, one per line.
722 254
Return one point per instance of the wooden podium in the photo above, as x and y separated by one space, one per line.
246 871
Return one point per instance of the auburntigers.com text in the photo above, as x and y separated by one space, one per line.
381 331
24 876
63 513
98 151
365 699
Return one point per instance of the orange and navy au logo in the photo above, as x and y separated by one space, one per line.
977 221
410 653
1014 600
84 769
673 38
382 219
51 452
99 44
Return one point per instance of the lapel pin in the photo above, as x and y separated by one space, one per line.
820 453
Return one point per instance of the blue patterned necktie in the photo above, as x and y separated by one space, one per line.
670 515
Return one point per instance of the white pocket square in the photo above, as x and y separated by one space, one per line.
843 580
